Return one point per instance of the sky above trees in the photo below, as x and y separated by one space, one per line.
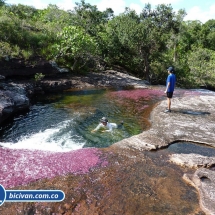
196 10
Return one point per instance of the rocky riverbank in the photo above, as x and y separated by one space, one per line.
139 177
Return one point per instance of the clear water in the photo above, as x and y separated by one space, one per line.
63 122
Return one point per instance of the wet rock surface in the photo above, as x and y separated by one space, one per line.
138 179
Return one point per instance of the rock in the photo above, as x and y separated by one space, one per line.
204 181
192 160
13 100
55 85
61 70
6 107
2 77
20 101
26 68
111 78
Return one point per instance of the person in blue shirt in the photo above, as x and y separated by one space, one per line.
170 86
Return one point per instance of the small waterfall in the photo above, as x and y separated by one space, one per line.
58 139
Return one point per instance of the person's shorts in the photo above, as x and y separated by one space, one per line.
169 94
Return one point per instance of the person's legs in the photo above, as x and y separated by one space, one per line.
169 96
169 103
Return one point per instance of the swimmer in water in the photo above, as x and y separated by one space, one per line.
107 126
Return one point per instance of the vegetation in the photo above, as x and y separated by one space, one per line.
86 39
38 76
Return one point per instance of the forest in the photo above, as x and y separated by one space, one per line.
85 39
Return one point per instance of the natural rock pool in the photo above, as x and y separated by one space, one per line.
63 122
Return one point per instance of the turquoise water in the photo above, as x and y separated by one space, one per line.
63 122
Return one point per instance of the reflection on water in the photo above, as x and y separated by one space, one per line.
64 121
186 148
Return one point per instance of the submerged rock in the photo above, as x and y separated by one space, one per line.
203 179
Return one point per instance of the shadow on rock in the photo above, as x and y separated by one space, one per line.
191 112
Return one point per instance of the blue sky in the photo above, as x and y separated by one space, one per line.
196 10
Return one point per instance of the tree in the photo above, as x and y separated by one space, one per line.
54 16
89 17
142 38
2 2
22 11
193 34
208 34
75 48
202 66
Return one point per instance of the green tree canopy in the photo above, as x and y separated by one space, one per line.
202 66
142 36
75 46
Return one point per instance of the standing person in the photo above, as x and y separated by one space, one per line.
170 86
106 125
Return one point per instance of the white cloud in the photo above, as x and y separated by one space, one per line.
196 13
39 4
66 5
118 6
136 7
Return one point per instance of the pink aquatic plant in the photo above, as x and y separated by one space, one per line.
151 94
137 94
137 100
19 167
